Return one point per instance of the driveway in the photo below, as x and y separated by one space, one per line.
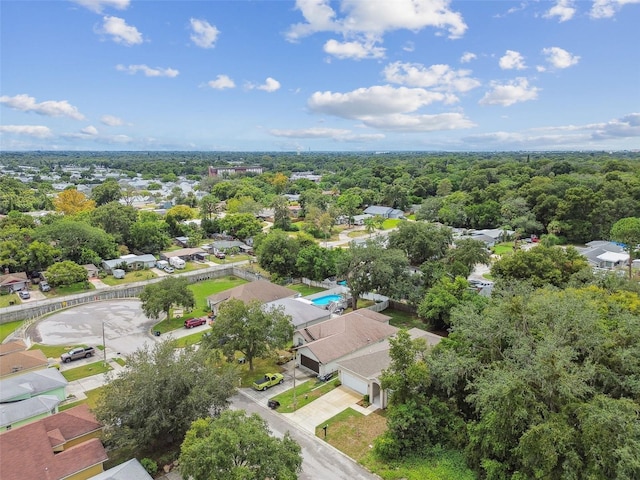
126 327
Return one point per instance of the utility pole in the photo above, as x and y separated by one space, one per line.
104 347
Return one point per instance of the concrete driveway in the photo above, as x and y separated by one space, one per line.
126 327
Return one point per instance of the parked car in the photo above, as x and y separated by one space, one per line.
194 322
220 255
77 353
169 269
269 380
326 377
44 286
24 294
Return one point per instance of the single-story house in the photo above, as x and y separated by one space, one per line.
181 241
489 236
605 254
226 245
360 219
129 470
260 290
384 212
185 254
62 446
303 313
361 370
92 270
13 282
320 347
17 363
48 381
133 262
16 414
12 346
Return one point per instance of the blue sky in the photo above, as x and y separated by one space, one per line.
316 75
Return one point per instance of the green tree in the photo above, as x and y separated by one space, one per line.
115 219
369 267
277 253
237 446
315 262
442 298
250 329
468 252
149 235
627 231
349 204
208 206
421 241
281 217
150 405
106 192
159 297
41 256
241 225
65 273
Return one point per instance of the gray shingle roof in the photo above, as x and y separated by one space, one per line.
31 383
11 413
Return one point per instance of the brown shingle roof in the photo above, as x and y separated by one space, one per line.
12 278
260 290
27 452
345 334
11 347
22 361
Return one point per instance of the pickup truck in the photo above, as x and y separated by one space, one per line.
269 380
77 353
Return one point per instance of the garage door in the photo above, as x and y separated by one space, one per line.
310 363
354 383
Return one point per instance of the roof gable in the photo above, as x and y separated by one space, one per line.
260 290
18 361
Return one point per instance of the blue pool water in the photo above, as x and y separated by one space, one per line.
342 282
326 300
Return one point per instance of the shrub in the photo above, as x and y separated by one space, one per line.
150 466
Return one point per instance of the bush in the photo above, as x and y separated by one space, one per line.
150 466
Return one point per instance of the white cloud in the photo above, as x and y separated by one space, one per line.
355 50
37 131
627 126
111 121
560 58
221 82
204 34
148 71
467 57
376 18
608 8
98 6
50 108
340 135
512 60
439 77
120 32
269 85
89 130
409 46
400 122
563 9
508 94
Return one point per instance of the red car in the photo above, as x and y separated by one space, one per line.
194 322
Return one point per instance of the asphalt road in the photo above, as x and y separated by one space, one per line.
320 461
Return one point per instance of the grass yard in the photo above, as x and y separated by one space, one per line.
261 366
8 300
357 234
86 371
77 287
7 329
189 340
438 464
306 393
129 277
352 432
305 290
54 351
91 400
406 320
502 248
390 223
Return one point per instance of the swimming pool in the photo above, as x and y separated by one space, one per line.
326 300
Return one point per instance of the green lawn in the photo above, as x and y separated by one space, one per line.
77 287
130 277
53 351
352 432
261 366
91 400
305 290
435 465
8 300
404 319
7 329
358 233
189 339
86 371
502 248
390 223
306 393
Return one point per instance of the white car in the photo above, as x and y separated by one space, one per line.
24 294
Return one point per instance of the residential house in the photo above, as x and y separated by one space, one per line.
13 282
12 346
320 347
17 363
312 177
227 171
48 381
92 270
260 290
227 245
185 254
605 254
360 219
16 414
384 212
361 370
133 262
129 470
62 446
303 313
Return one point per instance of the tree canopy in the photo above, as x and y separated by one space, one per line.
237 446
160 297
